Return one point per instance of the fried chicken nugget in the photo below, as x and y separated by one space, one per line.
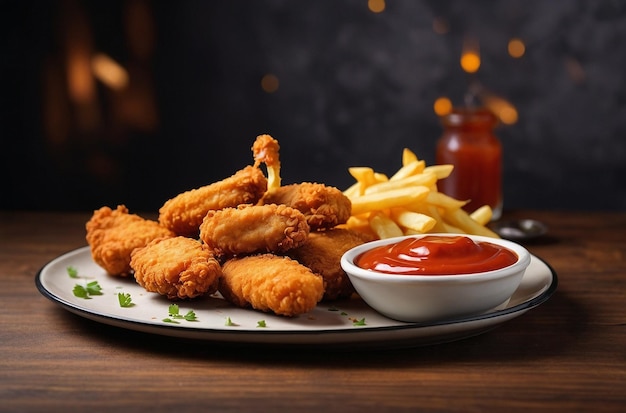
112 236
270 282
183 214
324 206
322 254
251 229
178 268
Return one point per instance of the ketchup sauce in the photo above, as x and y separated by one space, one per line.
468 143
436 255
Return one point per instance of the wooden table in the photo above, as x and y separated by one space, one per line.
569 354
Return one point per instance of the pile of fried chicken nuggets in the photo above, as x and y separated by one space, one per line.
260 245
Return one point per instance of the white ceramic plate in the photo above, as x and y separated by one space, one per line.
346 323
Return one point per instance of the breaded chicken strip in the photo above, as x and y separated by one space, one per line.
183 214
112 236
253 229
269 282
322 254
324 206
178 268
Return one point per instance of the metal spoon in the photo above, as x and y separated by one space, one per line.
521 229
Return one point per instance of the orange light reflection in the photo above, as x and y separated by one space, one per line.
502 108
516 48
269 83
442 106
109 72
376 6
470 56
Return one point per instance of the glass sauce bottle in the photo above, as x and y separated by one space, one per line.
469 144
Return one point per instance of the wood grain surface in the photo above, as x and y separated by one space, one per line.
569 354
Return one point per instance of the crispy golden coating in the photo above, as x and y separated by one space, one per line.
178 268
251 229
269 282
324 206
183 214
112 236
322 254
266 150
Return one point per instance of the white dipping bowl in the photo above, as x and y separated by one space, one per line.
427 298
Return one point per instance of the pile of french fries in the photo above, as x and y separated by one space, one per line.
408 202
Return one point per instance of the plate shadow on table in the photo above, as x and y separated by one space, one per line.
531 336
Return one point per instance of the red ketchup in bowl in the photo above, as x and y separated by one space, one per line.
436 255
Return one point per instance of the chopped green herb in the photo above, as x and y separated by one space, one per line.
173 310
190 316
261 323
229 322
92 288
174 313
360 322
80 291
124 300
72 272
336 309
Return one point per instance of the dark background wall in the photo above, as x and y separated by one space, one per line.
355 87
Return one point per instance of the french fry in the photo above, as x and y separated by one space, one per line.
409 169
461 219
441 225
441 171
380 177
389 199
482 215
358 223
353 190
427 180
451 229
383 226
363 175
413 221
408 156
444 201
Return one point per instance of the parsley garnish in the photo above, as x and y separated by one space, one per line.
229 322
190 316
174 313
124 300
92 288
261 323
72 272
336 309
173 310
80 291
360 322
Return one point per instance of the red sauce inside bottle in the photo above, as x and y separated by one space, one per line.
436 255
469 144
